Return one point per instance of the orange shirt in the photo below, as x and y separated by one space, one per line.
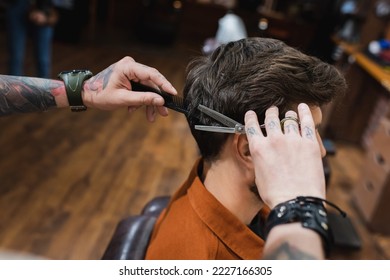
196 226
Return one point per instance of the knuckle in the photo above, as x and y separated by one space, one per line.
154 71
147 100
127 60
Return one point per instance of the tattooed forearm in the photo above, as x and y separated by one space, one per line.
287 252
24 94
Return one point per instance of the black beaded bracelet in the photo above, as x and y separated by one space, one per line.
309 211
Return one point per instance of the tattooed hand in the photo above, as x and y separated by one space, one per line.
111 88
287 164
108 90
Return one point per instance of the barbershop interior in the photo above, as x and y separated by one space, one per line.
74 186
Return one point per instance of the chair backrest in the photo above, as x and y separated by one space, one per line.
155 206
132 235
130 239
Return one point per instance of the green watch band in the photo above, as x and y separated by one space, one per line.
74 81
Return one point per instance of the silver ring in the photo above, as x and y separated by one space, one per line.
289 119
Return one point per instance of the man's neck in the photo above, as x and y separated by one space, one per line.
222 179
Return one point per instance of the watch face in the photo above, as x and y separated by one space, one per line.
74 80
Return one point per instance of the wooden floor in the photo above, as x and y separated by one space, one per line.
66 179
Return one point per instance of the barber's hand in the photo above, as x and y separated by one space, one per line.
287 164
111 88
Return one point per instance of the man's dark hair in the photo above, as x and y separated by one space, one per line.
253 74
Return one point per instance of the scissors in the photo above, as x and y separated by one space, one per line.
232 126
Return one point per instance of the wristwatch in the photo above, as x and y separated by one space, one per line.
74 81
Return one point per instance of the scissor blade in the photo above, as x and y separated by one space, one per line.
218 116
219 129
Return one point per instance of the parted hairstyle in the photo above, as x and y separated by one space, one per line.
253 74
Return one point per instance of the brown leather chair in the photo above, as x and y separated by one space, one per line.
131 237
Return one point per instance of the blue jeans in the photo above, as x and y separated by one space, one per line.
18 28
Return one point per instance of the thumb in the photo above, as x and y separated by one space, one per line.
137 98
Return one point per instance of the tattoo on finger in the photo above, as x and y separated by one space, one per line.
251 131
290 128
271 125
308 132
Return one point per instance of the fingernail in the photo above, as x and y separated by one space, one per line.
174 90
303 106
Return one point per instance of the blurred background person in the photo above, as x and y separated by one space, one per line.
35 18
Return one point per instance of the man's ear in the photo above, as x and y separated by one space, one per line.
242 153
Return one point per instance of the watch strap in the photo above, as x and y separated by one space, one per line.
310 212
74 81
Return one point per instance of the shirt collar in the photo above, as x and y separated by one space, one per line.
229 229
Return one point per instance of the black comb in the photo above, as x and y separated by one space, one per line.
173 102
